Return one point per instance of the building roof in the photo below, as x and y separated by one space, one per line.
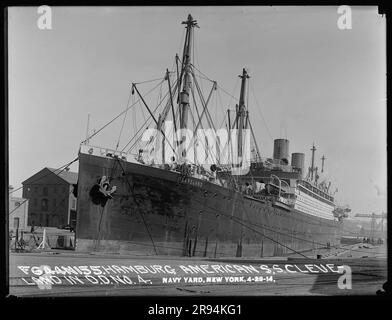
69 176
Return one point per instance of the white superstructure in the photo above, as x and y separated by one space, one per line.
309 202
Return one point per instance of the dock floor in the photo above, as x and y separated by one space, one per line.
353 270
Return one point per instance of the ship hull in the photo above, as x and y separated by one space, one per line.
157 211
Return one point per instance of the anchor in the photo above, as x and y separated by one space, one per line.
101 192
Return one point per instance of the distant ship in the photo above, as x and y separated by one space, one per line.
130 203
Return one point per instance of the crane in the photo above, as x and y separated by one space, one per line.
374 217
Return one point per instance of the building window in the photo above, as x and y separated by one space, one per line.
35 203
73 205
54 204
45 191
55 220
16 223
44 205
55 189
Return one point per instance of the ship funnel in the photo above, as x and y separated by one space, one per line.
298 161
281 150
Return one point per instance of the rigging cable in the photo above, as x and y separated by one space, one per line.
152 115
149 118
141 214
125 116
234 90
148 81
206 77
116 117
259 110
235 219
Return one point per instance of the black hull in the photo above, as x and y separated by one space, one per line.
156 211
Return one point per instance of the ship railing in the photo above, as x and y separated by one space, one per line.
317 188
191 170
287 201
273 198
316 191
286 189
262 197
105 152
283 190
276 164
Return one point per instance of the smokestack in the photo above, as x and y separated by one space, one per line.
298 161
281 150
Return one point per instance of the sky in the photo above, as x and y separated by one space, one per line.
312 82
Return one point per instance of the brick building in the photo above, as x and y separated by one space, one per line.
52 202
18 209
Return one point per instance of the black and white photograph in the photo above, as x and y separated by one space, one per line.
196 151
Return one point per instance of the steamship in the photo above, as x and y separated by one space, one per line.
129 202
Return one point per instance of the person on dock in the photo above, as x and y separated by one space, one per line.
32 229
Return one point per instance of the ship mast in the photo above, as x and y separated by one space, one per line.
312 167
241 112
323 158
187 78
